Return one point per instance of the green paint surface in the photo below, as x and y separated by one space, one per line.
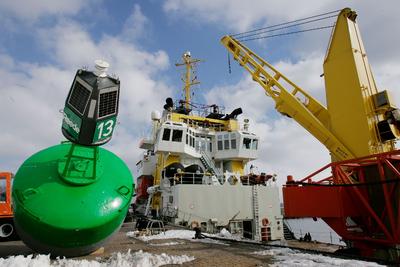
66 215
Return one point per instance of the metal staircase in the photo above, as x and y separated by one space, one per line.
287 232
256 212
209 164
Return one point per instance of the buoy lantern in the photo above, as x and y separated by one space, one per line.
91 107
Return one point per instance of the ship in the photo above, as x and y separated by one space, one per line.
193 169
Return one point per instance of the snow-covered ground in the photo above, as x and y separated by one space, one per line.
281 256
288 257
131 259
182 234
167 244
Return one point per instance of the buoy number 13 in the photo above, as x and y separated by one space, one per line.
105 129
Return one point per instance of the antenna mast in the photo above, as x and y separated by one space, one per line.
189 63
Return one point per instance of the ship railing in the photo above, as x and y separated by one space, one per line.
193 178
202 124
201 110
187 178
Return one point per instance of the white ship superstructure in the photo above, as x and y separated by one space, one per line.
193 170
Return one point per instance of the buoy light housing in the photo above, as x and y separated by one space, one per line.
91 107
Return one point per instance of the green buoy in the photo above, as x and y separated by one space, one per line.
70 198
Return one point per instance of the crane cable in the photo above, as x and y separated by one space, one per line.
284 27
260 32
287 33
285 23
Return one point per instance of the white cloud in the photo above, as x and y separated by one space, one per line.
246 94
33 94
376 20
305 73
136 24
288 149
69 44
31 97
32 10
387 77
237 15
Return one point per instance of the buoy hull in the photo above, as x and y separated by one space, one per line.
53 215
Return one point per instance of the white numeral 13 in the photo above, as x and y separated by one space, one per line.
108 126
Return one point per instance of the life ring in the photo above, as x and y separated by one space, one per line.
233 180
264 221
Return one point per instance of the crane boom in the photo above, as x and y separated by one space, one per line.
296 103
359 120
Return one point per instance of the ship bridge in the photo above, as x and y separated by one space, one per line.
195 140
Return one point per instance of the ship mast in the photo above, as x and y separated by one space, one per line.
189 63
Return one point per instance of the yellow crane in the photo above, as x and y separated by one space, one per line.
358 121
358 126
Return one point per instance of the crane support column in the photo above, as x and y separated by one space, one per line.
351 89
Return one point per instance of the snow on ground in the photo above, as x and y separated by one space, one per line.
139 258
167 244
282 256
288 257
177 234
170 234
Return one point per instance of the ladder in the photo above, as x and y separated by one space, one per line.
210 165
287 232
256 213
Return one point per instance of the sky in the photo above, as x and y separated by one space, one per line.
44 42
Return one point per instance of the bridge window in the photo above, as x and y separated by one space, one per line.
226 141
246 143
203 144
254 144
190 140
166 134
177 135
219 142
233 141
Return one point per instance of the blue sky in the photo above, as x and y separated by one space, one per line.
44 42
